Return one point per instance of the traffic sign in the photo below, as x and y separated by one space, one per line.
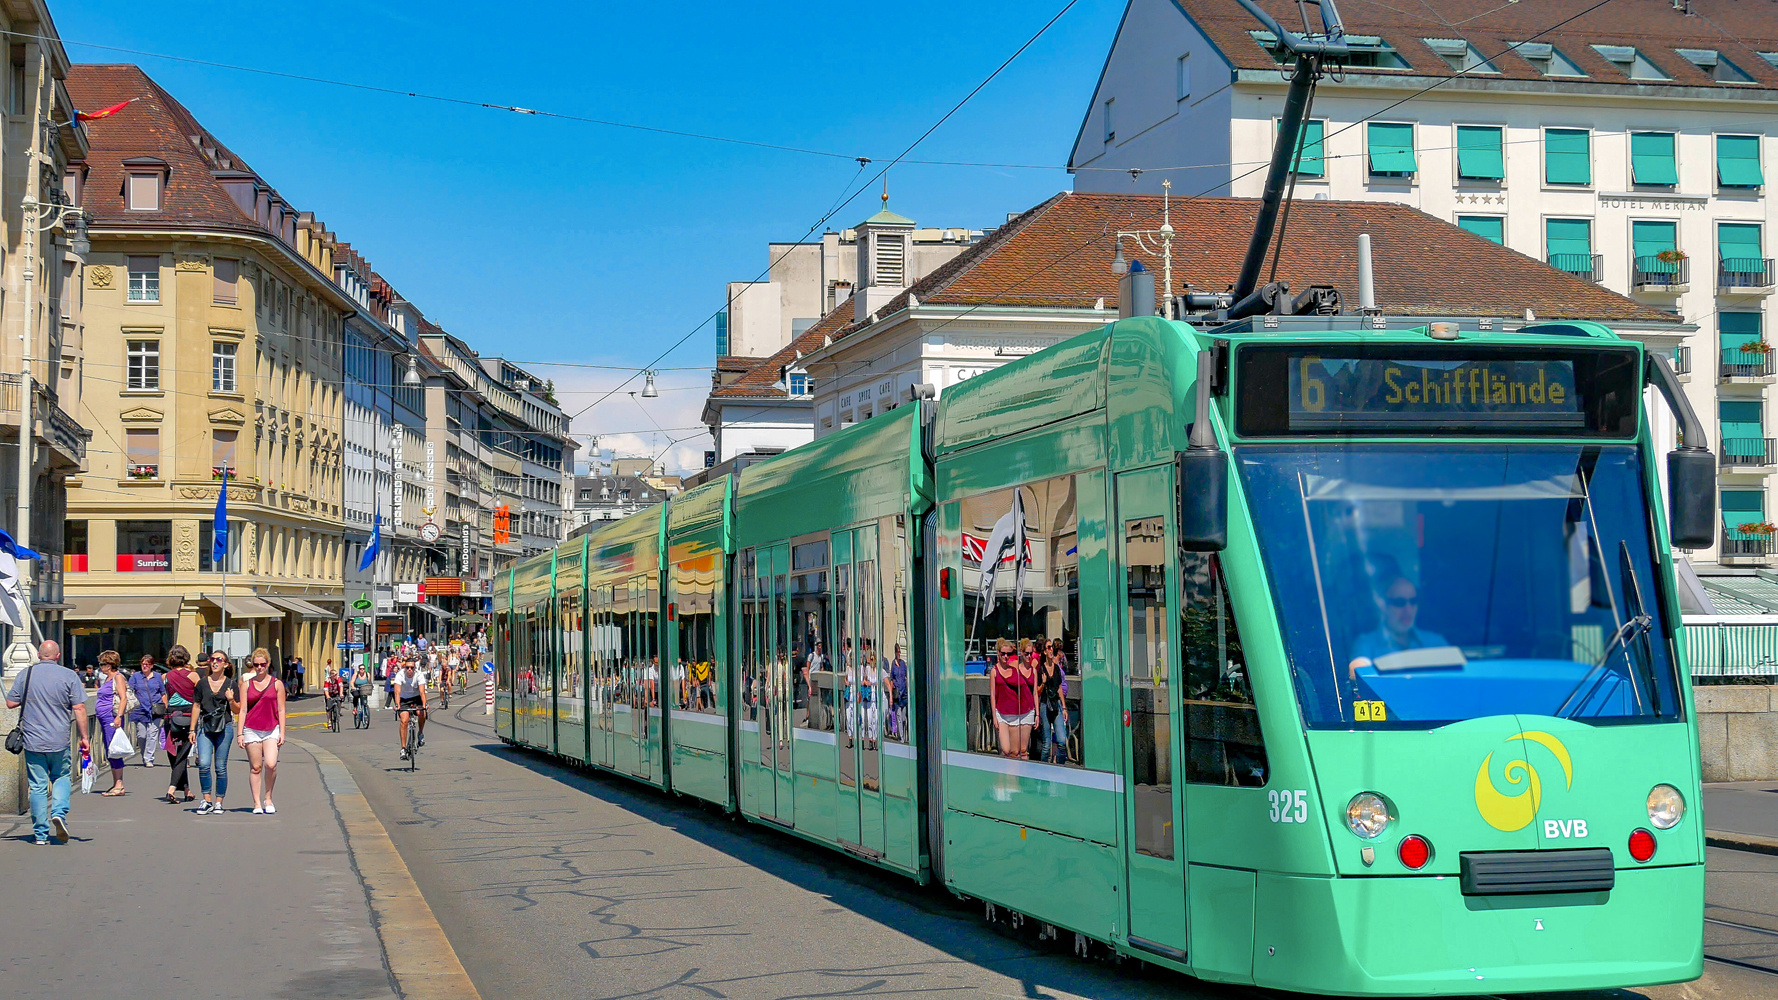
350 647
487 668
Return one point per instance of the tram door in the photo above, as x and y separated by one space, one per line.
599 690
1155 857
858 673
643 685
777 692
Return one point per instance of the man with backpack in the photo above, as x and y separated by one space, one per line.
51 696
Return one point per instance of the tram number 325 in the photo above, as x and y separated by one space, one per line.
1289 805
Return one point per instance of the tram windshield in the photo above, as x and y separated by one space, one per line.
1419 585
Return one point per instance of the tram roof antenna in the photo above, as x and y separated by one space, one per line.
1311 51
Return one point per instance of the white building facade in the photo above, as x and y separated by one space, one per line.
1631 149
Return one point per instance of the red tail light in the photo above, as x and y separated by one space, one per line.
1642 844
1414 851
672 612
944 584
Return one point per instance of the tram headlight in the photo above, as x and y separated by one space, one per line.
1367 815
1666 807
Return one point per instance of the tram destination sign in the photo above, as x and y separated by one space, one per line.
1468 390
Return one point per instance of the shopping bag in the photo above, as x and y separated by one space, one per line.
87 772
120 745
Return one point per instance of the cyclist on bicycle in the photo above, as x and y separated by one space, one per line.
332 689
410 687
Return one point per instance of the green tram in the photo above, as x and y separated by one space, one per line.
1367 683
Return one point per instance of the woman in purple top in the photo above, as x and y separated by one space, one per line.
112 698
150 691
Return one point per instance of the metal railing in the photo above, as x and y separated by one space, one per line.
1744 272
1682 360
1581 265
1651 273
1745 545
1749 451
1748 364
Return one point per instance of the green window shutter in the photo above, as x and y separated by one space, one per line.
1567 156
1741 507
1488 227
1735 329
1737 161
1391 148
1651 158
1738 241
1569 236
1650 238
1479 155
1312 162
1740 420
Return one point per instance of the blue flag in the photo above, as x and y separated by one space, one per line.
14 549
219 536
376 538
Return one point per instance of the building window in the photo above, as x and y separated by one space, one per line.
722 334
1569 245
144 191
1652 159
1567 156
1714 65
207 546
144 370
1743 259
1741 427
1391 148
1366 51
1744 527
1631 62
1652 251
1737 331
1311 158
222 367
1488 227
144 546
1737 161
1481 155
1110 125
1460 55
74 543
1182 75
1546 59
222 454
142 450
226 273
799 383
145 279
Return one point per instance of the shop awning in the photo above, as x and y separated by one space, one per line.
430 610
133 608
245 606
302 608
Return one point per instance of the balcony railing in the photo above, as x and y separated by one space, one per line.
1581 265
1747 364
1652 274
1737 544
1746 452
1745 272
1682 360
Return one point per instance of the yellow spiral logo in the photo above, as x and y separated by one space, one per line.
1516 810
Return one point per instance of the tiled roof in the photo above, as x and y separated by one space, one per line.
1738 29
155 126
1058 256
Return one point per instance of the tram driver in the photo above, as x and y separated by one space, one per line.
1401 606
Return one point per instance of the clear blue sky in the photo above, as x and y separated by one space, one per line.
547 240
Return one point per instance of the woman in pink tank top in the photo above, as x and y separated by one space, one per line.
262 728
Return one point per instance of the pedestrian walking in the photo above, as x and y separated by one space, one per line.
302 677
219 701
180 702
262 729
49 697
111 704
150 689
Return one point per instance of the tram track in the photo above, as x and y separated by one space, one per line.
1763 932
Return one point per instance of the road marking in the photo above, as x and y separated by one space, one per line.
420 957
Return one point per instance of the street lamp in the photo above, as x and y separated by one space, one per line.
648 389
413 372
1154 241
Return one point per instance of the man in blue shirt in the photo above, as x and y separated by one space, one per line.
51 694
1401 605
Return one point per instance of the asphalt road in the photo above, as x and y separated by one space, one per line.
550 882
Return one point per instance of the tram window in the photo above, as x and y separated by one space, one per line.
1022 622
866 667
892 687
651 640
1223 741
694 670
811 654
748 675
502 650
1150 677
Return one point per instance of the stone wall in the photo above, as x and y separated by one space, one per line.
1738 731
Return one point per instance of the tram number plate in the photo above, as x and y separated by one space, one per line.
1289 805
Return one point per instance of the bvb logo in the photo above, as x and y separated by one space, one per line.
1516 811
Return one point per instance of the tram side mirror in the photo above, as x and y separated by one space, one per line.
1203 499
1691 498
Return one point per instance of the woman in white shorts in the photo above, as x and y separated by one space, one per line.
262 728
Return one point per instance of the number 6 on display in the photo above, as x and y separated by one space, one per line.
1289 805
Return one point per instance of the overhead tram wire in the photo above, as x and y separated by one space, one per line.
864 187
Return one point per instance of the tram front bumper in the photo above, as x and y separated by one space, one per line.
1420 935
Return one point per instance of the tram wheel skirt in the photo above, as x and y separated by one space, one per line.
1421 936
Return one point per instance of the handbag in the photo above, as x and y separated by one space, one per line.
15 740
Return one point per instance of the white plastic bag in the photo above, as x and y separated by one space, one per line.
120 745
87 773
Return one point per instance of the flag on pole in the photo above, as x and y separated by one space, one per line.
12 602
219 543
88 116
376 538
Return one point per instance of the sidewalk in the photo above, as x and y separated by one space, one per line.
149 899
1742 814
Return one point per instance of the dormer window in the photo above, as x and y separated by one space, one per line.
1460 55
144 183
1714 65
797 383
1547 59
1631 62
1367 51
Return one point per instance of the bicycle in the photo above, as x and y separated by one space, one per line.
360 712
410 739
444 697
333 715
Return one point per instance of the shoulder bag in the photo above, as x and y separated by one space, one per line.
15 740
